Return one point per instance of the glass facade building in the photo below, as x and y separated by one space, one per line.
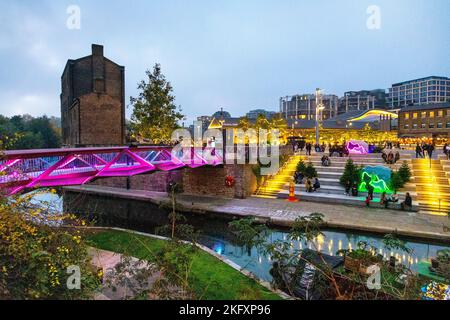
303 107
418 92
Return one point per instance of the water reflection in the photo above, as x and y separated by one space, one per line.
145 217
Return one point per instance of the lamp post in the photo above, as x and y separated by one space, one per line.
319 107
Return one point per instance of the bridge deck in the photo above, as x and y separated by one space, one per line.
24 169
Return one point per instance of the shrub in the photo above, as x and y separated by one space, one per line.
351 173
396 181
301 167
310 171
405 172
35 255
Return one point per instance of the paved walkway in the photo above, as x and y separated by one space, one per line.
108 261
283 213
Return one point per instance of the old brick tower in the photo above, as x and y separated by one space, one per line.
93 101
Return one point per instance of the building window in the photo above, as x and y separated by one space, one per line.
414 125
431 114
447 125
431 125
439 125
423 125
406 115
415 115
423 115
440 113
406 126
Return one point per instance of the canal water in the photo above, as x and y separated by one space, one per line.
215 234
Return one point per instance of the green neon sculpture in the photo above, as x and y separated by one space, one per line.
378 177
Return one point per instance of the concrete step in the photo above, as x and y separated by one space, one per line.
328 175
339 190
338 199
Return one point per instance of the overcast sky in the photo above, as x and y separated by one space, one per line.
238 55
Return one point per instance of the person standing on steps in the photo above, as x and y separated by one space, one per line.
419 151
348 187
430 150
308 149
370 190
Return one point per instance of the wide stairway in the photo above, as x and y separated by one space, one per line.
432 185
273 184
332 192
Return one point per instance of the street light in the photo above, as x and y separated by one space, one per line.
319 107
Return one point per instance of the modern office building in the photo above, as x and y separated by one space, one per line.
254 114
425 121
362 100
303 106
429 90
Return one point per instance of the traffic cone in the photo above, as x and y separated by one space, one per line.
292 197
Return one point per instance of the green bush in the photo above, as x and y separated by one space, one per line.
310 171
397 181
301 167
405 172
351 173
35 258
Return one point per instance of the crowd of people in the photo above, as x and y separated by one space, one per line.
390 154
391 157
426 150
338 149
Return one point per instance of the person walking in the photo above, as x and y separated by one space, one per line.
308 149
370 190
348 187
397 156
419 151
430 150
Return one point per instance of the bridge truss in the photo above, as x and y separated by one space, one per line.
26 169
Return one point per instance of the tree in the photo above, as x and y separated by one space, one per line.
29 140
396 181
244 123
405 172
155 115
351 173
310 171
47 131
301 167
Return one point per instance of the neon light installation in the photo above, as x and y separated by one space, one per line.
357 147
27 169
378 177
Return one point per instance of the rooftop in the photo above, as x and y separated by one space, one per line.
444 105
420 79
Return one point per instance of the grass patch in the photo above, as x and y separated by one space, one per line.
211 278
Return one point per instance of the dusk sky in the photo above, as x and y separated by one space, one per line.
239 55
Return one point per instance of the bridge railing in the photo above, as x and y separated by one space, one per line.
26 169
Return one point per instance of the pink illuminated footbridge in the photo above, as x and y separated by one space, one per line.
26 169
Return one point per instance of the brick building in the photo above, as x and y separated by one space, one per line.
425 121
93 101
